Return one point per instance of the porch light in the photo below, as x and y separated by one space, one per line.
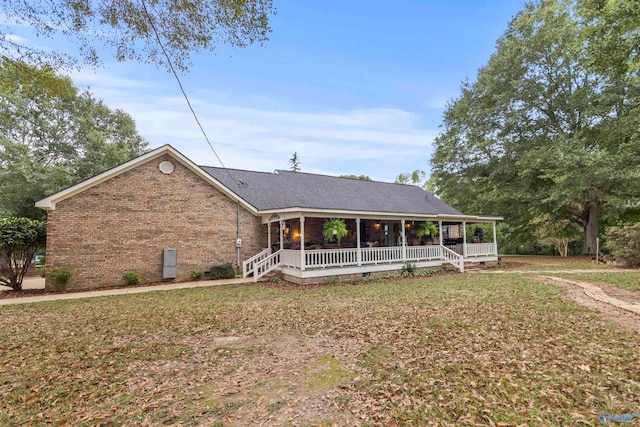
376 225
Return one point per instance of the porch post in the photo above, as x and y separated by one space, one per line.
269 236
440 231
495 241
281 234
464 239
404 242
302 242
359 253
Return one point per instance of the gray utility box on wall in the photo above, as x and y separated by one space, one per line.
170 264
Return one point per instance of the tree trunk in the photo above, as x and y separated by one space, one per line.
591 228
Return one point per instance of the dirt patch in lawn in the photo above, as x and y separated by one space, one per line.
284 379
610 312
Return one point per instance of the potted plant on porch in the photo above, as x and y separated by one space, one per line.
427 229
334 229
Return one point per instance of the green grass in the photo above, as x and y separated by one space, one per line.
451 349
543 262
625 280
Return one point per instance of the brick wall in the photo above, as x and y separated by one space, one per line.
123 224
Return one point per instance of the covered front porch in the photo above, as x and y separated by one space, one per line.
301 247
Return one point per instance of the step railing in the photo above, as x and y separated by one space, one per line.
247 266
453 258
266 265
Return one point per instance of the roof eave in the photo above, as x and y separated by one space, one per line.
337 212
49 203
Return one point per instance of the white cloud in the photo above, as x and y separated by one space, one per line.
100 81
14 38
379 142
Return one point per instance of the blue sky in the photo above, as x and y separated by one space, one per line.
354 87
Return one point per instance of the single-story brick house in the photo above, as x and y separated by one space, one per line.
161 210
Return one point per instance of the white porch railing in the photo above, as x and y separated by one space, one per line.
382 255
262 263
453 258
247 266
330 258
420 253
264 266
481 249
291 258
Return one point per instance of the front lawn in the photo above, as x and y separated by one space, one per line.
445 350
625 280
549 263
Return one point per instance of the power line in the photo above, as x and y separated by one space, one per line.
173 71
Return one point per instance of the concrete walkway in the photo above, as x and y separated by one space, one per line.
594 292
123 291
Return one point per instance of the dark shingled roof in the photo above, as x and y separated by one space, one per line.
286 189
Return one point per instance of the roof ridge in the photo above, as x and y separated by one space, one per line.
352 179
235 169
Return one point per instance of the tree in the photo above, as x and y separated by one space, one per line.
541 130
361 177
559 233
294 162
20 238
127 29
52 136
414 178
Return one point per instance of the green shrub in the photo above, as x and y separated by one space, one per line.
20 239
408 269
60 278
42 271
624 244
223 271
196 274
132 278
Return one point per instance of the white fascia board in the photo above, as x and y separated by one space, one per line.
287 213
49 203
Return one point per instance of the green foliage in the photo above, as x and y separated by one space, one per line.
361 177
417 177
60 278
557 232
427 229
624 244
41 267
20 239
479 233
196 274
542 129
408 269
52 136
294 162
96 30
132 278
334 228
331 281
223 271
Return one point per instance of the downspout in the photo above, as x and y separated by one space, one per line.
238 240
